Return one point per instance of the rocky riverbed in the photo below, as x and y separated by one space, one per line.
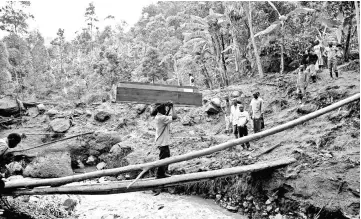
146 205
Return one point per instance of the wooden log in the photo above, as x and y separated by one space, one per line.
158 93
142 185
188 156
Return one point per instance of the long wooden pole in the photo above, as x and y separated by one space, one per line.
142 185
188 156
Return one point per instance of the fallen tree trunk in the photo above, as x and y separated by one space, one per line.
142 185
188 156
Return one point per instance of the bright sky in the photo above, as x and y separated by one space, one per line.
69 15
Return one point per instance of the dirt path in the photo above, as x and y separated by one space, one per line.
146 205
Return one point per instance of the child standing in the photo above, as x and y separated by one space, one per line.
302 82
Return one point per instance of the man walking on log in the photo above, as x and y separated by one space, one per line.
256 112
242 120
10 142
162 133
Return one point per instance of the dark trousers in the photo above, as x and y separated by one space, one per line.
257 123
163 153
235 131
332 64
243 131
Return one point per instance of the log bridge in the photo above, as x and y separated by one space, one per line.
41 187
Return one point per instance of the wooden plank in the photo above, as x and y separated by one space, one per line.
158 85
145 93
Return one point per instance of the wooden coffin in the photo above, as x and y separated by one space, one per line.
158 93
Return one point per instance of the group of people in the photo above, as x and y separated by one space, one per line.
237 118
312 62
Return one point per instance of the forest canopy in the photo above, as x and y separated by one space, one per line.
220 43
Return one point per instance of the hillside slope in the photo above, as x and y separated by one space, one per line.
326 148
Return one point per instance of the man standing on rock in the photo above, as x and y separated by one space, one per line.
256 112
10 142
162 133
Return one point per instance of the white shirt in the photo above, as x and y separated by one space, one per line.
162 129
257 107
233 116
242 118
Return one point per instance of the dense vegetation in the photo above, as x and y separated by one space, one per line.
221 43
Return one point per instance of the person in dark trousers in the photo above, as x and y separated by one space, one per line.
242 120
332 52
256 112
162 135
11 141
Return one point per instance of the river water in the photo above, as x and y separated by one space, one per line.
146 205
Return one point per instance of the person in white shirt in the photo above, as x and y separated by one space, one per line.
162 134
233 117
257 112
242 120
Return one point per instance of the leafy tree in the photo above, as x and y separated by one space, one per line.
91 19
5 76
13 17
59 43
279 27
151 67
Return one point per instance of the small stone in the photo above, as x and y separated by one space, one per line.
69 204
232 208
249 198
80 164
277 210
91 160
102 179
278 216
268 202
52 112
218 197
101 165
102 116
245 204
41 108
192 133
88 113
33 199
264 214
269 208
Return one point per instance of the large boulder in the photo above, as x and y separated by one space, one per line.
216 102
60 125
9 107
122 150
102 141
307 108
102 116
211 109
235 94
51 165
14 168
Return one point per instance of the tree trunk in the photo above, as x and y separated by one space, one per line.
183 157
282 56
358 22
224 62
176 70
347 43
258 60
148 184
